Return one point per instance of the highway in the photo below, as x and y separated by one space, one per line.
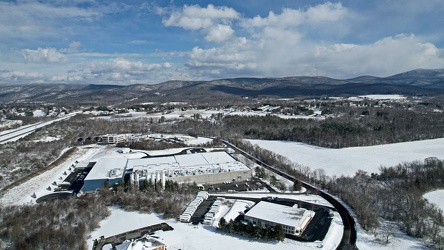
17 133
348 240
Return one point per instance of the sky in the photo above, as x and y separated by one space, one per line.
148 42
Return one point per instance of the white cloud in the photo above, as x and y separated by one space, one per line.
122 65
213 21
194 17
43 55
29 19
326 39
19 75
297 17
138 42
282 45
219 33
73 47
121 71
58 78
325 12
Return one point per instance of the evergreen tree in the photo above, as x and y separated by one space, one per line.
279 233
250 228
106 184
297 185
231 226
222 224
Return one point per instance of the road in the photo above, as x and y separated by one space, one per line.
348 240
15 134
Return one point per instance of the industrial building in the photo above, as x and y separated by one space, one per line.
202 168
107 168
293 220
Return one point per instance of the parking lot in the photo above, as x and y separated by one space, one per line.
77 177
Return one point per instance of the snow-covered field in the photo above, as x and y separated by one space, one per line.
436 197
347 161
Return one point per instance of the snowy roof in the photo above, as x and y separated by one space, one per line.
188 164
276 213
109 168
151 161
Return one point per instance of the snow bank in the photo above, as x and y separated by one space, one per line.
334 233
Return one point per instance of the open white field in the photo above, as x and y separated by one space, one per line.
436 197
347 161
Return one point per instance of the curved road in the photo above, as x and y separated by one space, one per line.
348 240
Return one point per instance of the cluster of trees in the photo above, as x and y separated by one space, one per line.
147 198
60 224
248 229
396 194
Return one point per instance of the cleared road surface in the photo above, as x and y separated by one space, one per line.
17 133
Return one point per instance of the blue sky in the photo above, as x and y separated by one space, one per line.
130 42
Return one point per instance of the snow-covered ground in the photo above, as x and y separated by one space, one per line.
238 207
347 161
187 236
384 97
22 194
436 197
20 132
399 241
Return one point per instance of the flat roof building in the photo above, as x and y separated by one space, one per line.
113 138
293 220
202 168
107 168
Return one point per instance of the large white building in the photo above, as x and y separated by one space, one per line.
202 168
107 168
293 220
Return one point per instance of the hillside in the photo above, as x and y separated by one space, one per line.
415 82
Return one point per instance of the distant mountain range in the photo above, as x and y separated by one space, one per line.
415 82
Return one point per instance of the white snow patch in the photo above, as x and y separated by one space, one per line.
383 97
237 208
436 197
38 113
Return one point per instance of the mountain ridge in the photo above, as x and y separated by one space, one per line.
414 82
